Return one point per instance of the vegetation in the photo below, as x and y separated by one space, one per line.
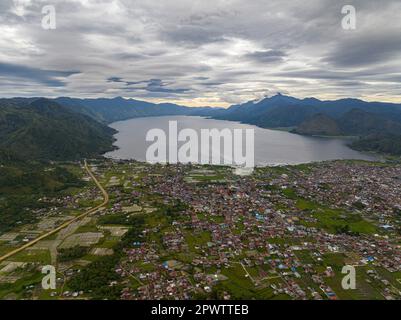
332 220
73 253
319 124
282 111
389 144
377 124
42 129
22 184
116 109
99 278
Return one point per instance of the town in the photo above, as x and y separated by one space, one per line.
206 232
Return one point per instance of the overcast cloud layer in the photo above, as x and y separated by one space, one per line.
201 52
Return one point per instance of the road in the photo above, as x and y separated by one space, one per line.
67 223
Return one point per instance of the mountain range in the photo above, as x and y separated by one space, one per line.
70 128
375 125
286 111
116 109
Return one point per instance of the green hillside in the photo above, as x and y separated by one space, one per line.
319 124
23 183
375 132
116 109
42 129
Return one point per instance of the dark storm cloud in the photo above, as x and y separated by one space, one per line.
369 49
157 85
350 83
152 85
129 56
115 79
212 84
313 74
193 35
344 76
46 77
203 52
267 56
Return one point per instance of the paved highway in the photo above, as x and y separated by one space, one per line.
65 224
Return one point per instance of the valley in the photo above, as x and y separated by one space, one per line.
192 232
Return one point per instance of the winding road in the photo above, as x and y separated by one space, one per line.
65 224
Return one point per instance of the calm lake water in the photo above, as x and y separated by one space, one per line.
272 147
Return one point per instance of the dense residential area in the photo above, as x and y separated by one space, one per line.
205 232
200 158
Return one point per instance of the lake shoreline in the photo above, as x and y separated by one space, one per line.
272 147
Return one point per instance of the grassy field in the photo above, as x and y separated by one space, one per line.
331 220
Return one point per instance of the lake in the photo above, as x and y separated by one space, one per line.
272 147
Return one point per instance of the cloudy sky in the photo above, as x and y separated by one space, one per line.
201 52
